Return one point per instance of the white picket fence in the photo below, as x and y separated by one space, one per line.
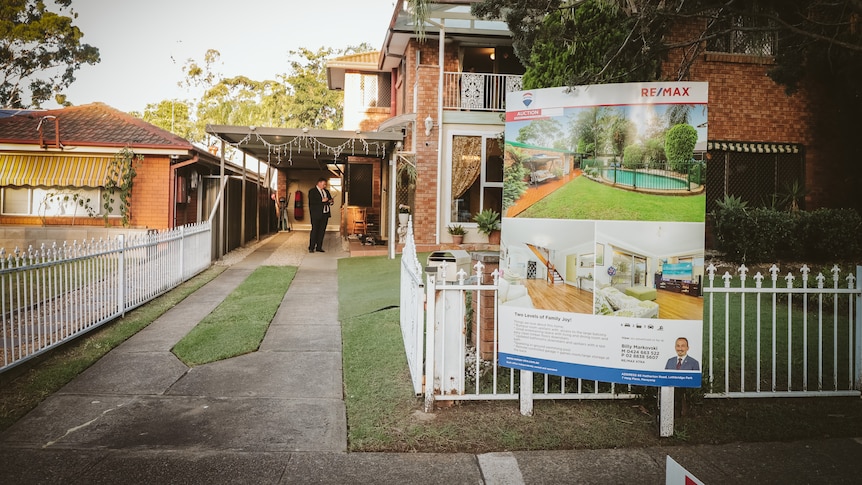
53 294
783 338
761 341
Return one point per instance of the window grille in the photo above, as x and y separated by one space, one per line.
374 90
740 36
758 173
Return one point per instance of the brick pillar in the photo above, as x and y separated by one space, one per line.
491 260
425 212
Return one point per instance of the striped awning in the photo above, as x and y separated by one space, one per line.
752 147
53 170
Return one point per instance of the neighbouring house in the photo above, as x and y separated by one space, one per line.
54 166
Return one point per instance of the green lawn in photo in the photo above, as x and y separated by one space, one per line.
583 198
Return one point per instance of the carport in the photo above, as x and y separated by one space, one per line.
361 161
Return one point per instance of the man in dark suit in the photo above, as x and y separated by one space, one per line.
319 205
682 361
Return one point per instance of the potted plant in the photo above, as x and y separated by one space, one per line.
488 222
457 232
403 214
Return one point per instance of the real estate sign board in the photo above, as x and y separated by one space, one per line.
602 250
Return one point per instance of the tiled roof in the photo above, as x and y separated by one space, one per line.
362 58
95 124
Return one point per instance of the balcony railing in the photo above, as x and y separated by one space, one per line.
471 91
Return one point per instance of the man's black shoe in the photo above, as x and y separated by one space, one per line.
310 250
321 251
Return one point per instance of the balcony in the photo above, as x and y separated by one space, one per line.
471 91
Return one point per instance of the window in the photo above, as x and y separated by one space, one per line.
476 176
54 201
374 90
740 35
630 270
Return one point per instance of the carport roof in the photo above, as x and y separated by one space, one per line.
303 148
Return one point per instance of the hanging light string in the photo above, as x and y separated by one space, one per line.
315 145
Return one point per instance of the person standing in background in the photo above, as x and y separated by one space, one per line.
319 208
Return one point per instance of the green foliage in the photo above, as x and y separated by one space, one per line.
119 184
171 115
654 151
697 172
633 156
767 234
679 145
40 51
577 46
541 133
456 230
514 177
487 221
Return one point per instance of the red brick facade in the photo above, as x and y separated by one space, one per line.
745 105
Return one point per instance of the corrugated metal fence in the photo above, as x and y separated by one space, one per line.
51 295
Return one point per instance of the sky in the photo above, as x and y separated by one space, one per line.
144 44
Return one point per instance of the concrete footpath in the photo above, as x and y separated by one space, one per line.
277 416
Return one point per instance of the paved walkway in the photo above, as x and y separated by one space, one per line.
139 416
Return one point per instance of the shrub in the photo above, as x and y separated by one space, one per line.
679 145
831 234
767 235
633 156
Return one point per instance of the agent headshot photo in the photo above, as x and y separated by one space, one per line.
682 361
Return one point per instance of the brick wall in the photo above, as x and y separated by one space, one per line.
151 194
746 105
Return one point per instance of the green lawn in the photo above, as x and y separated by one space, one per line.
239 323
583 198
787 333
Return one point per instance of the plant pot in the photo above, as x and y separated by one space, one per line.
403 219
458 239
494 237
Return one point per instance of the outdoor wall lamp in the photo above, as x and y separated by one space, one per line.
429 124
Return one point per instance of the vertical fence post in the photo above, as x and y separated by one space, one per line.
430 318
665 405
526 393
121 275
858 329
183 252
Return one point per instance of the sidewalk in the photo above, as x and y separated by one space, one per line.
277 416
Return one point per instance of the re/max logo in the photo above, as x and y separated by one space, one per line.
656 92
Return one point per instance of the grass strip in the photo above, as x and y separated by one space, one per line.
24 387
239 323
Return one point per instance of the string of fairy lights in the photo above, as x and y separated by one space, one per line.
305 142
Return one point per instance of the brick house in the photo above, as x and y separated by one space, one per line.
69 152
447 105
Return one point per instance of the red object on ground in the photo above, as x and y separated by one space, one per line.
297 206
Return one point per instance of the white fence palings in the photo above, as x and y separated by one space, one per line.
412 298
445 325
782 375
51 295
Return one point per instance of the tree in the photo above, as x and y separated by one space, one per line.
824 34
40 51
171 115
679 145
311 103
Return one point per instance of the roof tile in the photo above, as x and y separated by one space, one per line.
90 124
